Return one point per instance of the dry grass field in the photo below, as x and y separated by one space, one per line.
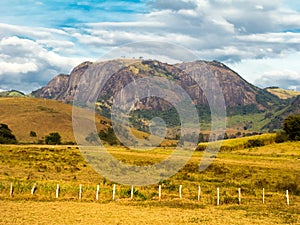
43 117
153 213
283 94
275 167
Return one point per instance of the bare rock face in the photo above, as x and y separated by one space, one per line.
236 91
54 88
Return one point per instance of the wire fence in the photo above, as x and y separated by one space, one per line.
115 192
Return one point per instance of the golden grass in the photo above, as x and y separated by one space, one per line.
240 143
23 115
283 94
275 167
129 213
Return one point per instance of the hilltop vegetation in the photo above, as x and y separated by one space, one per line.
283 94
12 93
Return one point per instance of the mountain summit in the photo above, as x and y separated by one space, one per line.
237 92
241 97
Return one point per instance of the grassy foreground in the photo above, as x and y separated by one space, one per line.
151 213
275 167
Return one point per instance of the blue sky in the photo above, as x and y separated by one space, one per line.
40 39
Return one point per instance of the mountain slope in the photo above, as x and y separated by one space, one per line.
241 97
54 88
39 115
276 122
283 94
237 91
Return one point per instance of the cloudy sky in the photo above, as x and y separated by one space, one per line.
40 39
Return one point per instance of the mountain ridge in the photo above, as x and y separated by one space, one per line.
241 97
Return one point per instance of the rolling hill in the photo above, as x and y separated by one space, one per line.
42 116
282 93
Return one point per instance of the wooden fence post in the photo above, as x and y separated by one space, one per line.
114 193
33 189
11 191
80 192
57 191
159 192
131 193
218 196
263 196
287 197
199 193
180 191
239 191
97 192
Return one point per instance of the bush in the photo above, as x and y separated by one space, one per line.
291 126
6 136
108 136
255 143
53 139
281 137
32 134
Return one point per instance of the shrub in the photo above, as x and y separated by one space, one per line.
53 139
291 126
6 136
281 137
109 136
32 134
255 143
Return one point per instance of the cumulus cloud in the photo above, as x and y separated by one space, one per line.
285 79
230 31
25 64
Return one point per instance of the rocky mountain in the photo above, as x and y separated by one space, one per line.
237 91
54 88
240 97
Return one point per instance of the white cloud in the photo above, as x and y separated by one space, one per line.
251 37
283 78
26 64
6 67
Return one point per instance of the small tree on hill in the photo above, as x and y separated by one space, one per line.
32 134
53 139
291 126
6 136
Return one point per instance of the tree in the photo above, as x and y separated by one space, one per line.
108 136
6 136
53 139
281 136
291 126
32 134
